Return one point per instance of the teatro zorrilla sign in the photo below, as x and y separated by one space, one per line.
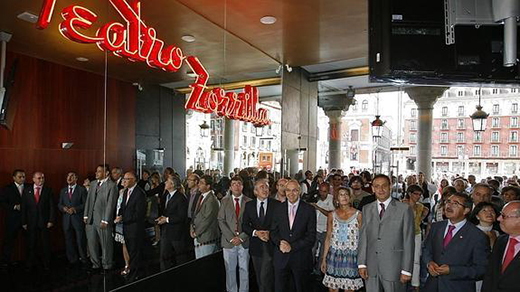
138 42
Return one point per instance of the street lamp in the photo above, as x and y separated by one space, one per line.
204 129
377 128
479 117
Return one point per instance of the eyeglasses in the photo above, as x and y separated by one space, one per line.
450 202
508 216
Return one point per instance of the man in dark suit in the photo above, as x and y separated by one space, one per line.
71 204
12 199
293 233
256 223
116 174
133 215
37 218
503 271
174 225
455 251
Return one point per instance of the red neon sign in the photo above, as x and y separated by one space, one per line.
137 42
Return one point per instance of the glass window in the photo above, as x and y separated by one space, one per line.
413 112
495 122
244 126
413 138
477 91
413 124
513 150
477 136
494 150
513 90
444 111
460 111
444 124
245 141
460 93
476 150
513 137
496 108
444 137
460 150
461 124
514 122
495 136
495 91
460 137
364 105
444 150
253 142
354 135
514 108
412 150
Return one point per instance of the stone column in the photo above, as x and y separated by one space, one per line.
424 97
334 137
229 145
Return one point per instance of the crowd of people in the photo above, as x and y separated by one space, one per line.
352 232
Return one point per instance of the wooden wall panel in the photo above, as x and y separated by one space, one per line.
59 104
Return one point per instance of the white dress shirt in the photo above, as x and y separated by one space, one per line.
458 226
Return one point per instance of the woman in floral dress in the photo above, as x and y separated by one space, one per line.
340 252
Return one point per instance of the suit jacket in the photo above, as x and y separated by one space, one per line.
133 210
251 222
386 246
101 204
79 197
37 214
205 223
466 255
301 236
9 198
228 222
495 280
177 212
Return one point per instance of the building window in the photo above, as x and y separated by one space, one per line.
460 111
244 127
245 141
514 108
444 125
413 138
444 137
514 122
495 122
477 92
513 136
354 106
460 151
494 150
476 150
444 150
354 135
495 91
444 111
364 105
460 137
495 136
513 150
253 142
496 109
460 93
413 112
413 125
477 136
253 129
513 90
412 150
461 124
269 145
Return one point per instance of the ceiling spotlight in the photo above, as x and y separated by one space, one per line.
289 68
188 38
268 19
27 16
279 69
82 59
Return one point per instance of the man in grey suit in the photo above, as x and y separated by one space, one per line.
204 227
235 242
99 216
72 204
386 243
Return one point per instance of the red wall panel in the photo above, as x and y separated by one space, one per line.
58 104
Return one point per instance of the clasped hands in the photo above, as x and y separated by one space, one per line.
435 270
161 220
263 235
285 247
69 210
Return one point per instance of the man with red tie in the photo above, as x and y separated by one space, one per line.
71 204
503 272
37 218
455 251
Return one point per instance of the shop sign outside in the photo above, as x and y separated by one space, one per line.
139 43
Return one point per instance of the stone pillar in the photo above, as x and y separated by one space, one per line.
299 128
229 146
424 97
335 135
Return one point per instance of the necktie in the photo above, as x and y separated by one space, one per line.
382 212
237 208
168 199
98 186
37 195
128 195
20 189
510 253
70 193
292 215
199 203
448 236
262 212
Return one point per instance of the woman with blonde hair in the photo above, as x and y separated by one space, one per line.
339 262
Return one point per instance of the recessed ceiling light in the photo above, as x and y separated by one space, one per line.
82 59
188 38
268 19
29 17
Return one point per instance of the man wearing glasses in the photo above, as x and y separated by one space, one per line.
455 251
504 263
